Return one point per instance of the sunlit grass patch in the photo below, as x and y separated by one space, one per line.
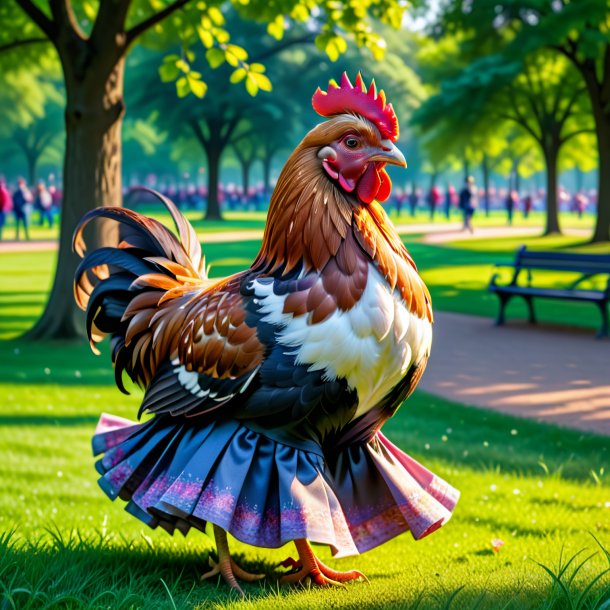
541 490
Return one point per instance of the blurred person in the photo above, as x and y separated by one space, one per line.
450 197
468 203
434 198
22 208
398 198
511 201
580 204
6 204
56 196
44 204
413 200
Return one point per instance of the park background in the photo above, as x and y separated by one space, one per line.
204 101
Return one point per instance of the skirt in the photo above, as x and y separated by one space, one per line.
266 492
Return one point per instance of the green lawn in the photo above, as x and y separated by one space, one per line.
457 274
542 490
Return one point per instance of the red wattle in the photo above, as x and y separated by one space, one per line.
369 184
386 186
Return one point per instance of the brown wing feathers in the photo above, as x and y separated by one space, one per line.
151 294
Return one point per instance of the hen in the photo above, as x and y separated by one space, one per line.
268 388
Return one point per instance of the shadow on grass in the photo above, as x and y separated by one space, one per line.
452 437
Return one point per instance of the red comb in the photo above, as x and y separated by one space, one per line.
355 98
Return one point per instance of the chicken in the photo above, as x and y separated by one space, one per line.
268 388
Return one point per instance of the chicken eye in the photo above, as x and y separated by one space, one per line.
351 142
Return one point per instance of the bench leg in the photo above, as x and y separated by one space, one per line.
530 307
504 299
605 327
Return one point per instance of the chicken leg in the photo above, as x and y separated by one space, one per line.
309 566
226 566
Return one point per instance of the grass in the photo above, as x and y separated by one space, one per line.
457 274
543 490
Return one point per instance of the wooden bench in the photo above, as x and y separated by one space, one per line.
588 265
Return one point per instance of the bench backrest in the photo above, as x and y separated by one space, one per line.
563 261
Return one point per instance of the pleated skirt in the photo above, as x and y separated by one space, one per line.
264 492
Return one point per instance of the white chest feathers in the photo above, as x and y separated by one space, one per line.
371 346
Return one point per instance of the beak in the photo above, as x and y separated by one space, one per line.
390 155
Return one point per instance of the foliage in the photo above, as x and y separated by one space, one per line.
33 132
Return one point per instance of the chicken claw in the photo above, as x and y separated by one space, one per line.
309 567
226 566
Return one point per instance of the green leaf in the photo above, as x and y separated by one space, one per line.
335 47
215 57
276 28
216 16
222 36
251 86
89 11
300 13
182 87
262 81
168 72
207 40
257 68
183 66
238 75
238 52
198 87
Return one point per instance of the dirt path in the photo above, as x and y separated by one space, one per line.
433 234
206 238
449 233
551 374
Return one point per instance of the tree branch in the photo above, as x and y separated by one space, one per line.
63 15
143 26
196 127
38 17
575 133
229 128
21 43
568 109
519 120
110 22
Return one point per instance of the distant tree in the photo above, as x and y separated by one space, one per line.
576 29
92 39
36 136
541 95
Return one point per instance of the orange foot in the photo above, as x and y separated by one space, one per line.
226 567
309 566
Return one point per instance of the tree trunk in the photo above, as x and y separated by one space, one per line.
466 169
599 94
517 178
214 153
245 176
602 222
485 171
551 154
32 160
92 177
